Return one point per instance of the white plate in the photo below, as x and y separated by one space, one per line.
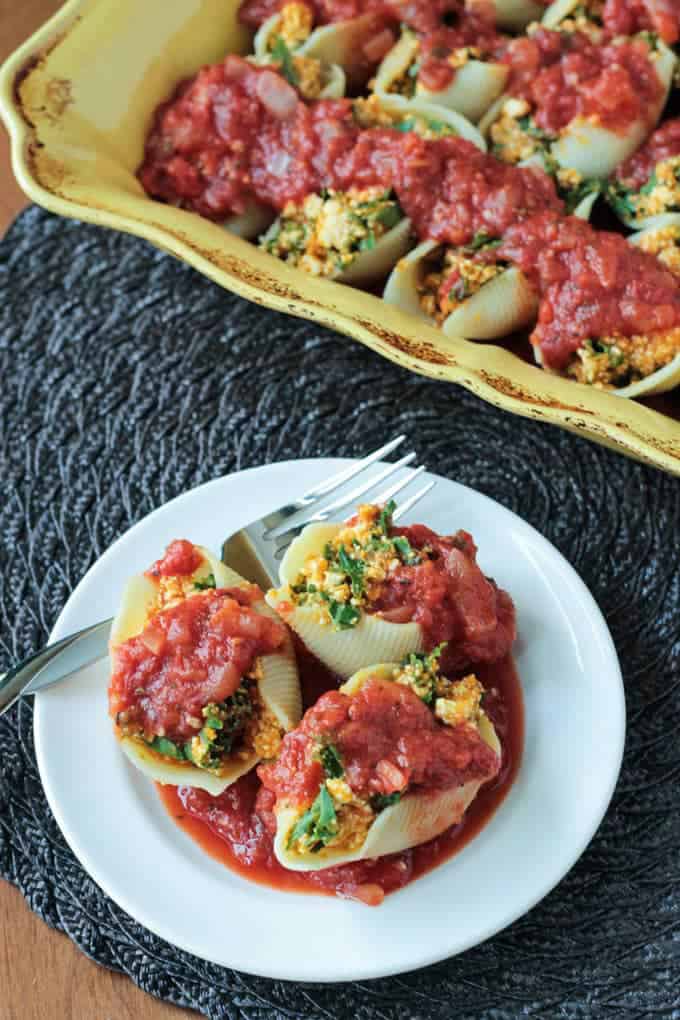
575 724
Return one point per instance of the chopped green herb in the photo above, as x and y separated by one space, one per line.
343 615
367 243
354 570
528 126
284 57
317 826
407 553
206 582
380 801
331 761
620 199
385 519
408 124
482 240
652 183
421 670
389 215
167 748
574 196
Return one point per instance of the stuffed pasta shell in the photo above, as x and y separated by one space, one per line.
515 15
450 68
466 290
355 45
354 236
370 590
582 104
427 120
387 762
203 681
647 185
627 17
609 313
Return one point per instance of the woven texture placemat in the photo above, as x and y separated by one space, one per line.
127 378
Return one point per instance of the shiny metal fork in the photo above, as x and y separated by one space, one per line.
255 552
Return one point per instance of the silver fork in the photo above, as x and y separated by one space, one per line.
255 552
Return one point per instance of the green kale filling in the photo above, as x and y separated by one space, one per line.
346 568
317 826
284 57
207 582
421 671
332 761
224 723
380 801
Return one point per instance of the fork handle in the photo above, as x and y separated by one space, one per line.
53 663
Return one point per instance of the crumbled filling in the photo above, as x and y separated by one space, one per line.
453 702
347 576
369 112
515 135
405 83
660 194
665 244
326 233
311 76
295 25
617 361
451 277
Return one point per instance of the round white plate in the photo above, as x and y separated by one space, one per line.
575 724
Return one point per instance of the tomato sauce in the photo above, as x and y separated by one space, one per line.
180 559
566 75
237 133
451 599
626 17
188 655
463 27
592 284
663 144
421 15
235 828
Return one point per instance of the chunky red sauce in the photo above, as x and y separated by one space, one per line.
189 655
180 559
235 828
474 26
566 75
626 17
388 740
236 133
451 599
663 144
421 15
592 284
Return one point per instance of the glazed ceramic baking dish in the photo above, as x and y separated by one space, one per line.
78 99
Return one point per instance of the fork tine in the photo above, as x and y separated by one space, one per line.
349 497
404 508
386 495
383 497
323 488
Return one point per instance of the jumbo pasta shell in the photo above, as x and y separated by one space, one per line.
415 819
342 651
249 224
653 225
589 148
506 303
515 15
401 109
342 43
474 88
279 686
372 264
661 381
558 11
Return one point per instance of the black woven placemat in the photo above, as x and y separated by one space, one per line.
126 379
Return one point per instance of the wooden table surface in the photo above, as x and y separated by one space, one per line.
42 974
